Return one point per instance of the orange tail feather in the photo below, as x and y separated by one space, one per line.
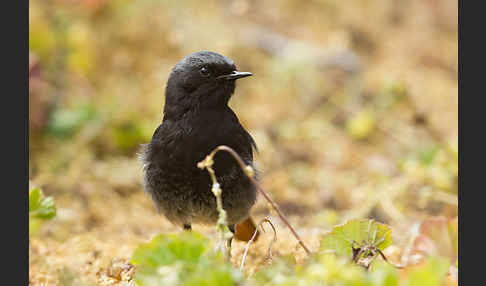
245 230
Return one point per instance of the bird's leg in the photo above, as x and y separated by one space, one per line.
187 227
232 229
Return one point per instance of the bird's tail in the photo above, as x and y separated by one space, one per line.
245 230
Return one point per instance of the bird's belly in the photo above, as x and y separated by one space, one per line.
184 196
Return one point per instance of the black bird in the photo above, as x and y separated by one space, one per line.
196 120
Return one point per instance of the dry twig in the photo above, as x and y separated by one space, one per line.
208 161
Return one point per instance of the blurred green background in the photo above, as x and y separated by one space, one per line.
353 105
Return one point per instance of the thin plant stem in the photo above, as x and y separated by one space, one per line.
250 173
269 252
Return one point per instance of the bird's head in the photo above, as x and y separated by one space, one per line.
201 80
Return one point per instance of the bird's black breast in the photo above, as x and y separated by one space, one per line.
180 189
190 139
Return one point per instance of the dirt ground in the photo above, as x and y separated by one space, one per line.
353 105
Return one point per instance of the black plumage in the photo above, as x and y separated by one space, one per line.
196 120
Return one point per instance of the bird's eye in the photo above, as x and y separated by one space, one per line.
204 71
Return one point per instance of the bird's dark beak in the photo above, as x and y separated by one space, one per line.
235 75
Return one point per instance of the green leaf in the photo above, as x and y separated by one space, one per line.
181 259
211 273
34 199
40 207
47 209
356 232
165 249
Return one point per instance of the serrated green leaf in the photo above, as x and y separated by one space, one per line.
351 234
